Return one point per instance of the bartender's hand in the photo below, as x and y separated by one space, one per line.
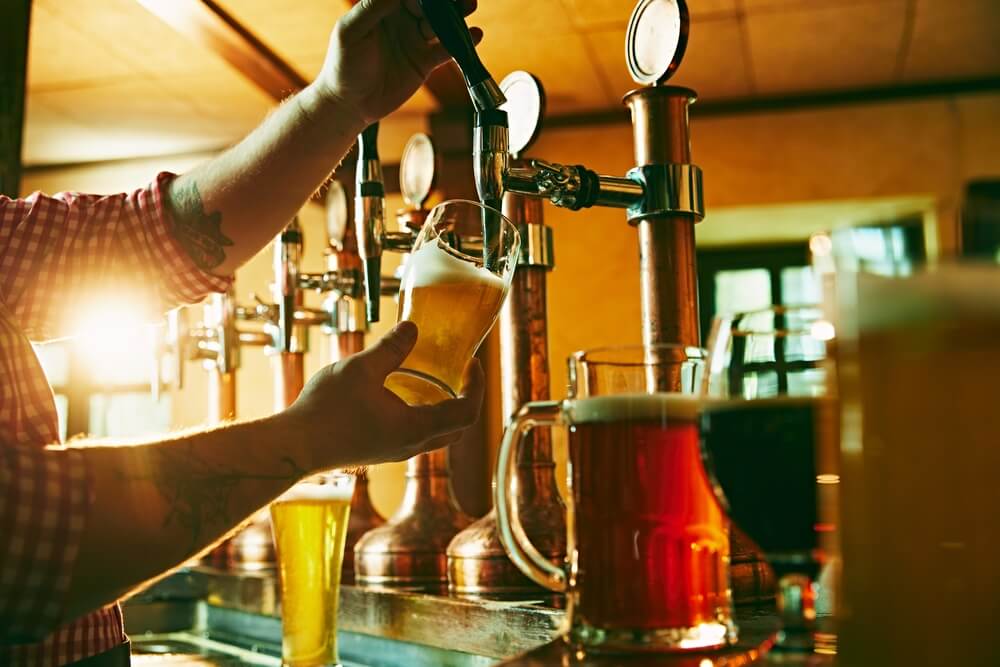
348 417
380 52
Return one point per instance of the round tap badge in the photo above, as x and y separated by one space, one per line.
525 107
336 214
657 38
416 170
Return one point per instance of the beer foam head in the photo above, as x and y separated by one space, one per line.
636 407
311 491
433 265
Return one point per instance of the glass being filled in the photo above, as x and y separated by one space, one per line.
452 296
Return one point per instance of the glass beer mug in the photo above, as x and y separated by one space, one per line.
454 283
647 539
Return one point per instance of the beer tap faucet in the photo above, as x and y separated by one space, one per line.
662 195
287 256
369 216
369 221
490 144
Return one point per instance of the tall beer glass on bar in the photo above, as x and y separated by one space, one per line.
647 539
310 527
454 283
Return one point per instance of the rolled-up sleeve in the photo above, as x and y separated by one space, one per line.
60 255
45 496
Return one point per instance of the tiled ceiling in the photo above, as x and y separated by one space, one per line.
107 79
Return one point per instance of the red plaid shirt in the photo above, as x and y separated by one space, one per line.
56 254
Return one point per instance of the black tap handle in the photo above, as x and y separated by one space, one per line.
453 32
368 143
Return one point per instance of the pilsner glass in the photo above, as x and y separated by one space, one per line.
310 526
770 447
648 542
452 288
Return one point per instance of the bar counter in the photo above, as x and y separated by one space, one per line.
202 616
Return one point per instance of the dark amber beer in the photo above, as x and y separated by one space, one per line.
652 545
648 542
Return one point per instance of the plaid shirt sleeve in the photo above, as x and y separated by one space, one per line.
62 255
44 500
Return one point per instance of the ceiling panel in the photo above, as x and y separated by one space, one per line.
296 33
589 14
822 47
560 60
753 6
713 64
60 55
954 39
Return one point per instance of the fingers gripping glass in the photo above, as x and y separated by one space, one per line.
453 296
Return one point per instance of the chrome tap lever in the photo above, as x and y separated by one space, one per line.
369 216
287 255
451 29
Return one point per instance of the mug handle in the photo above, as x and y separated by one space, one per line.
512 536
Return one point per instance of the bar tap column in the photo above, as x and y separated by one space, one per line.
346 330
290 338
408 552
668 276
478 566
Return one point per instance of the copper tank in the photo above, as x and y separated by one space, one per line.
478 566
668 280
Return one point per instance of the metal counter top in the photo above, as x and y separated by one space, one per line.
208 617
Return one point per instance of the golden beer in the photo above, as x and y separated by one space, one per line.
310 527
454 303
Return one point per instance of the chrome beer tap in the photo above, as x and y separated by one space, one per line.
369 219
662 195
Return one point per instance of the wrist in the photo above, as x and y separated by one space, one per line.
291 441
327 107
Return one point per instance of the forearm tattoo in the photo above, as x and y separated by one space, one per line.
197 492
199 233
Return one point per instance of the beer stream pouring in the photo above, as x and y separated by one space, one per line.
491 141
478 566
408 552
662 195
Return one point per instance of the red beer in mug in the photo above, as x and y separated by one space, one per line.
648 541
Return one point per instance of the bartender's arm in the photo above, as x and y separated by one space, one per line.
156 505
230 207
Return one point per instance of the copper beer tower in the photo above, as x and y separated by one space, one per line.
662 195
408 552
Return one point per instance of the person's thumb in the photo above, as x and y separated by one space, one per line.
387 354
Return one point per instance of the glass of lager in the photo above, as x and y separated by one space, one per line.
310 527
648 542
454 283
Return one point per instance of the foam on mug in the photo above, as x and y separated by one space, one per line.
630 407
432 265
312 492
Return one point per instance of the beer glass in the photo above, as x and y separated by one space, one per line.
919 359
769 437
648 543
310 526
454 283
